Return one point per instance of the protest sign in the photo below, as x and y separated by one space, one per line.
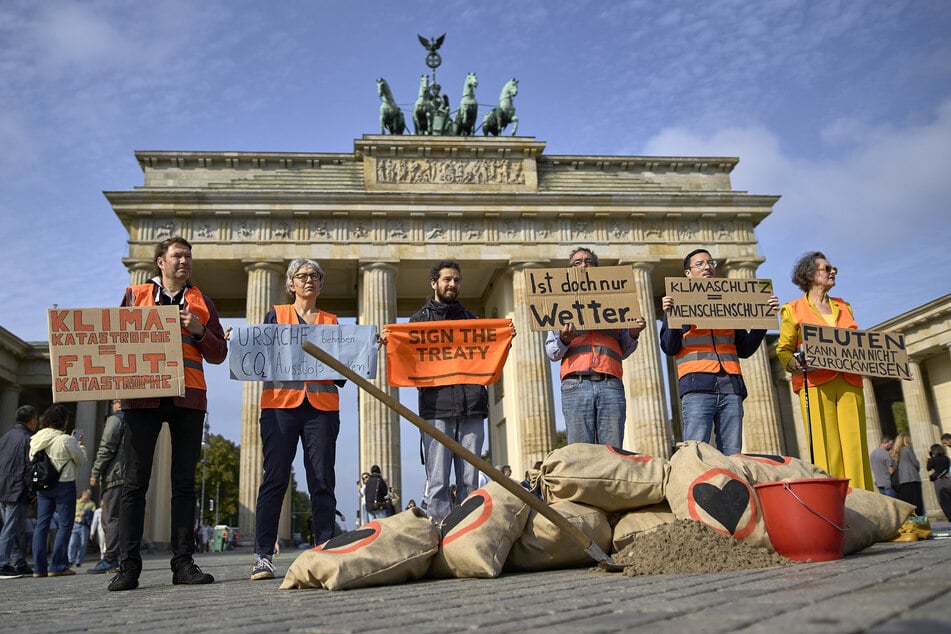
592 298
272 352
721 303
99 354
434 353
864 352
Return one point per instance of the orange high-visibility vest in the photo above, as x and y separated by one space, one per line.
144 295
706 350
594 351
321 395
805 314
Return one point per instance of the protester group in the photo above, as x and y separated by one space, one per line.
710 387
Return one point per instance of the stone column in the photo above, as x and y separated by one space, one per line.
9 404
647 429
379 425
761 431
265 288
873 423
140 272
86 417
921 430
529 366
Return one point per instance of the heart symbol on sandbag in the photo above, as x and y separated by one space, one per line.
726 505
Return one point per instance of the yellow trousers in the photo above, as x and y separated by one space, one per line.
838 431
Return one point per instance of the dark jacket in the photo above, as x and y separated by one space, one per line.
109 467
450 401
375 491
672 340
14 449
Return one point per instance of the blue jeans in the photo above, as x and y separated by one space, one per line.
468 431
281 430
11 535
595 411
705 413
890 492
78 542
61 499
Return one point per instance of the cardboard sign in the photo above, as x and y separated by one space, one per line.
272 352
865 352
593 298
100 354
721 303
434 353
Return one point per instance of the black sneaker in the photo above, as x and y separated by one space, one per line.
24 569
190 574
9 572
124 580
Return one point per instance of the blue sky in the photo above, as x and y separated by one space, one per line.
842 108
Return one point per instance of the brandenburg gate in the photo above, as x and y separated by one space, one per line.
379 217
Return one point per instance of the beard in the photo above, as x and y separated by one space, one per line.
443 299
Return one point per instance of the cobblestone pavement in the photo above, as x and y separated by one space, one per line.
887 588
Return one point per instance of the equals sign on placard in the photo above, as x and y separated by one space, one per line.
714 298
107 349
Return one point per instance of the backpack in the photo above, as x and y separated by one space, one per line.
375 500
41 474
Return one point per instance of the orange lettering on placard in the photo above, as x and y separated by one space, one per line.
79 324
57 321
66 362
154 359
153 321
130 316
126 367
89 368
106 319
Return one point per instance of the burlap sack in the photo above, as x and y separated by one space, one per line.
478 535
604 477
760 468
544 546
705 486
639 522
385 551
872 517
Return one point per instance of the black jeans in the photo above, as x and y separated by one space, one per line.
142 432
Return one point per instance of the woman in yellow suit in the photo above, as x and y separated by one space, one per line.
836 403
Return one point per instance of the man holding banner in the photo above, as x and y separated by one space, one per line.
202 340
709 380
457 410
592 392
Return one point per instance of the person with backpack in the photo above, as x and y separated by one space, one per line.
15 497
66 453
375 494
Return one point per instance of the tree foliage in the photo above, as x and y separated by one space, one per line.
222 465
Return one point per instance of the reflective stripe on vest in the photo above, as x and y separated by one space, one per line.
708 351
321 395
144 295
805 314
594 351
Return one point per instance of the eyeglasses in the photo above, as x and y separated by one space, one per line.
702 265
828 268
581 261
313 277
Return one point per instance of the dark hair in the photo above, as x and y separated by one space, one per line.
805 269
937 450
594 256
946 437
444 264
162 248
55 416
887 438
26 413
691 254
375 469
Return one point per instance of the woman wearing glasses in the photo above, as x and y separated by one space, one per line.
836 404
308 411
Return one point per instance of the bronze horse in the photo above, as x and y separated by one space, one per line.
502 115
391 117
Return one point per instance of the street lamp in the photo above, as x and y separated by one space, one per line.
205 444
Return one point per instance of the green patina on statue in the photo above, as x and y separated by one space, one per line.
432 114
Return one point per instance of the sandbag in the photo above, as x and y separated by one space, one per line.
761 468
476 536
604 477
705 486
385 551
544 546
871 517
640 522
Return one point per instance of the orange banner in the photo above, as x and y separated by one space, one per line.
435 353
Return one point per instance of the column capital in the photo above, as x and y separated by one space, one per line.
520 265
750 263
640 265
134 266
275 266
379 265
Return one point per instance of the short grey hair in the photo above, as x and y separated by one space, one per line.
594 256
294 267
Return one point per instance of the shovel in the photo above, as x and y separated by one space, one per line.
516 489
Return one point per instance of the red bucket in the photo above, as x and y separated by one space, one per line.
805 518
